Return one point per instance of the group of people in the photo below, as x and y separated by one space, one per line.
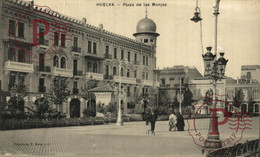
175 121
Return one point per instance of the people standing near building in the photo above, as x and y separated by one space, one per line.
180 122
172 122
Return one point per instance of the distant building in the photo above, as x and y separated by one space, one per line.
250 74
170 79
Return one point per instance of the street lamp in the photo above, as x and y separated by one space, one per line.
119 113
214 69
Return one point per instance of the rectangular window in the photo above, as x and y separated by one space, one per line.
21 29
143 60
129 57
135 74
56 38
134 89
12 27
115 53
63 38
41 38
75 42
89 47
75 84
41 85
122 54
95 48
41 82
135 57
146 60
163 81
147 76
151 40
145 40
107 50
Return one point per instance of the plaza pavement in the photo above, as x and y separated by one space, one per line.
109 140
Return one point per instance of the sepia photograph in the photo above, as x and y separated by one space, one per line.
130 78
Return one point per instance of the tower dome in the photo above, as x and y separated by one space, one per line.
146 25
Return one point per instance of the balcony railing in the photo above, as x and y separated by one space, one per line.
77 73
165 85
75 91
147 82
42 89
108 56
127 80
43 41
62 72
43 68
96 76
19 67
76 49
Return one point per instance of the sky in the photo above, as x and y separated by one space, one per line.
179 42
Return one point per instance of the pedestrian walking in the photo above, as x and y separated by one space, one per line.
153 118
180 122
172 122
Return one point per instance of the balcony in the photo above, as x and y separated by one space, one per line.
42 89
96 76
43 69
108 56
127 80
75 91
165 85
76 49
147 82
18 66
62 72
93 56
43 41
77 73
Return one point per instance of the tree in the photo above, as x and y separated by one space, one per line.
16 103
208 99
41 107
239 98
86 94
187 101
59 91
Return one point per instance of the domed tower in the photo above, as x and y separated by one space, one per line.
146 31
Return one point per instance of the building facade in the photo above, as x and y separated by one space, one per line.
80 52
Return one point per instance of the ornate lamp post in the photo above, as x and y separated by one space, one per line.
214 69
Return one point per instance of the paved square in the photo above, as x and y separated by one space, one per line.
108 140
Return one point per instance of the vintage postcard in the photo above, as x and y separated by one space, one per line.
129 78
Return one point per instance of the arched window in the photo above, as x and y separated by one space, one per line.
56 61
63 62
143 76
95 67
114 70
122 72
11 55
128 73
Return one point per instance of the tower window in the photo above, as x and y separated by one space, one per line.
115 53
145 40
